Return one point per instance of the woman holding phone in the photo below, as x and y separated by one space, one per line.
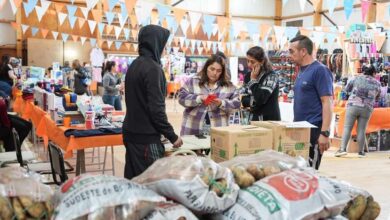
261 88
209 98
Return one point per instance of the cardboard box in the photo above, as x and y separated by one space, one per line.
289 136
238 140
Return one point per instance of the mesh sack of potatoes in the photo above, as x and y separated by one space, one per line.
198 183
23 196
251 168
292 194
103 197
171 211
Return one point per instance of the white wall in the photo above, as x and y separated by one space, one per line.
292 7
8 34
213 7
252 7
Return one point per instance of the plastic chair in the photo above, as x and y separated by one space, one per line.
9 158
57 164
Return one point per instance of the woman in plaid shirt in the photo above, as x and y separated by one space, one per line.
209 98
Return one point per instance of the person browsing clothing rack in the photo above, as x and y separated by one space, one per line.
112 86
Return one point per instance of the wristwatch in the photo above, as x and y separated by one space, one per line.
325 133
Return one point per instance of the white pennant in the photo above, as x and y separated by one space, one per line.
24 28
184 26
143 10
302 4
215 29
200 50
233 47
61 17
181 39
194 19
45 4
91 4
279 33
55 34
40 12
238 26
117 31
85 12
83 40
13 6
220 46
122 20
135 47
209 43
221 34
109 43
92 25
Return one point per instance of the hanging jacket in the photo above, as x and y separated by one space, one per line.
264 94
145 90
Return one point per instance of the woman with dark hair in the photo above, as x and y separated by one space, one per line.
111 86
261 87
7 73
209 98
80 78
363 91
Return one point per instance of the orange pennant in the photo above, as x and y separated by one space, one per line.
109 28
18 3
97 15
380 40
130 6
164 23
176 41
222 23
81 22
100 43
127 45
59 7
380 12
44 32
134 33
105 5
304 31
264 30
133 20
75 38
14 25
154 17
179 14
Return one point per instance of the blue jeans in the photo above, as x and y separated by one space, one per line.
362 116
114 100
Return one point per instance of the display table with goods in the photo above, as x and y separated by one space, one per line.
267 185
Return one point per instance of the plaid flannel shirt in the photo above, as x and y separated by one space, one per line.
195 111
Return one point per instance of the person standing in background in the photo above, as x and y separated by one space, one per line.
145 91
80 77
7 72
111 86
364 91
313 95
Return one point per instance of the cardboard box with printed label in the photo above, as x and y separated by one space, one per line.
238 140
289 136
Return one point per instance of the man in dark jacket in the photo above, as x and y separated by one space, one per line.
145 89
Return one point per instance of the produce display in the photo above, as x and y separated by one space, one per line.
104 197
198 183
171 211
22 196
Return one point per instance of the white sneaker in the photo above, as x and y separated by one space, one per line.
340 153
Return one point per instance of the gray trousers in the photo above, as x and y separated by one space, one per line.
362 116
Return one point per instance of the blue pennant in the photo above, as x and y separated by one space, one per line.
118 44
214 47
112 3
146 21
192 50
291 32
92 41
29 7
71 10
348 7
72 20
331 37
208 29
187 42
172 24
252 27
34 31
101 28
127 33
123 10
64 37
110 17
163 11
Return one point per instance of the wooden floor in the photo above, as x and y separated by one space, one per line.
371 173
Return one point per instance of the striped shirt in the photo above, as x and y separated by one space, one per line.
195 111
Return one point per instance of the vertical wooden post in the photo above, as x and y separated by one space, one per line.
100 8
317 15
278 12
19 34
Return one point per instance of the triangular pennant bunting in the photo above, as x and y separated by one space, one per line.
85 12
24 28
118 31
142 11
71 10
61 17
110 17
122 20
331 37
291 32
127 33
118 44
112 3
172 24
91 4
83 40
64 37
92 25
184 24
75 38
81 22
29 6
109 43
44 32
97 15
163 11
348 7
331 4
208 21
130 6
194 19
92 41
127 45
123 10
72 21
252 27
55 34
15 4
109 29
365 4
101 28
222 23
34 31
279 33
179 14
59 7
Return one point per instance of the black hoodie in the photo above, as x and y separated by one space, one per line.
145 89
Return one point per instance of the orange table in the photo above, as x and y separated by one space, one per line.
379 120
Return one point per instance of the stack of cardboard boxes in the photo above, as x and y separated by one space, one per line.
228 142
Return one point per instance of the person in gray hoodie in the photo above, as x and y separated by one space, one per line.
112 86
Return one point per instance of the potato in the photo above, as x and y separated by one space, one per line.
372 211
271 170
35 209
255 171
49 208
18 208
6 211
207 176
219 187
242 177
355 208
291 153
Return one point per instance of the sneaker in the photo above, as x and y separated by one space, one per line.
362 154
340 153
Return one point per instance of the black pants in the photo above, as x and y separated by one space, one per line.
140 156
23 128
315 155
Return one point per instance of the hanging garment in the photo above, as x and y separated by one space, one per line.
97 74
96 57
